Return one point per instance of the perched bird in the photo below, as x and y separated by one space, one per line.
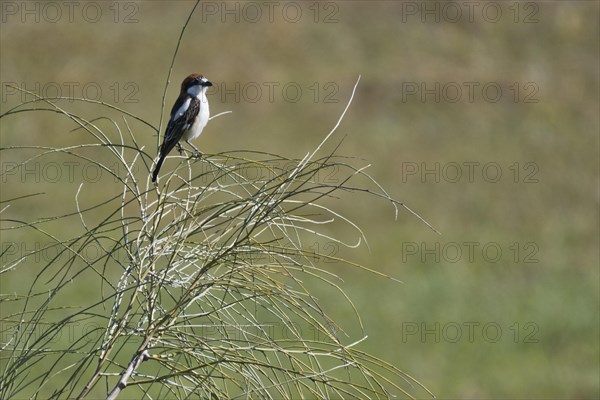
188 118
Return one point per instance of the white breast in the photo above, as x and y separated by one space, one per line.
201 120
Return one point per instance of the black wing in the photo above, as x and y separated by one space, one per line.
175 130
177 127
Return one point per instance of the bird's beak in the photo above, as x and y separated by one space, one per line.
207 83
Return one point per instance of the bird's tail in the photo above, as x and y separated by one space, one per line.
157 168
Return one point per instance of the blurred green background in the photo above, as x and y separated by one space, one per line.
482 117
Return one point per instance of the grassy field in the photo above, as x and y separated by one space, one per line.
482 118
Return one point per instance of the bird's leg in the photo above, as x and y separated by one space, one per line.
180 149
197 153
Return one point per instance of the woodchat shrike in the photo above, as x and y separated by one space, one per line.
189 116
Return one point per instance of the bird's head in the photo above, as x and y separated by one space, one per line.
195 84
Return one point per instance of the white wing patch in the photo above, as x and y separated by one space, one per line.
182 109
